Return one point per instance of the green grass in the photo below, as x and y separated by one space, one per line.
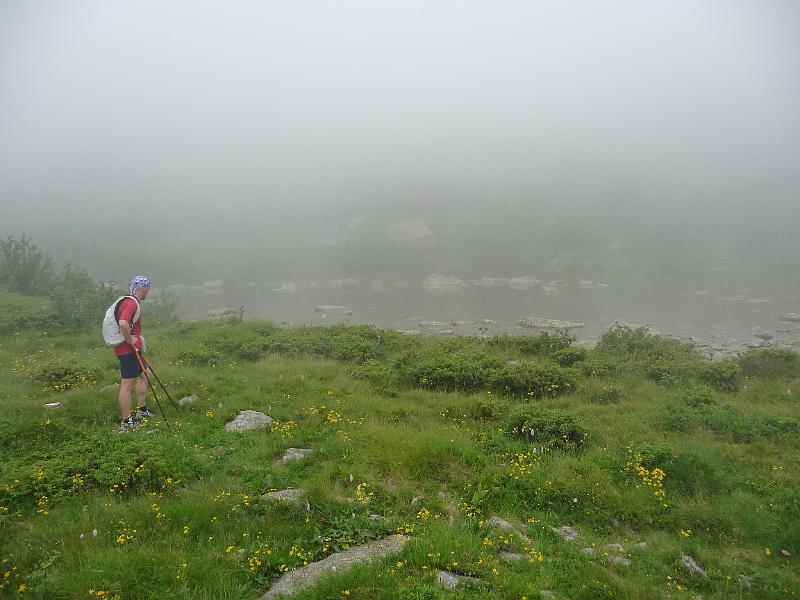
438 445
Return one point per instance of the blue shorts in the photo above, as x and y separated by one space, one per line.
129 366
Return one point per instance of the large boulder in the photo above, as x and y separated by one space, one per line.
248 420
441 284
413 233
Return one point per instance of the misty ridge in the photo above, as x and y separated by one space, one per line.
653 150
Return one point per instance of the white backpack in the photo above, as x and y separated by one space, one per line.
111 333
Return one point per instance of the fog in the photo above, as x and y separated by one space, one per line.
650 147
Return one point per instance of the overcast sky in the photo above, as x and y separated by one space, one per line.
196 108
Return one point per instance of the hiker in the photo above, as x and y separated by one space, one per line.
129 365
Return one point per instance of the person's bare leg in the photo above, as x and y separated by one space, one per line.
141 389
125 387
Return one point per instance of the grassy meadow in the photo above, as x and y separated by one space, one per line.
637 442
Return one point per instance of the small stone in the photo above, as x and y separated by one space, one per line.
376 518
567 532
588 551
293 454
188 400
614 548
248 420
642 545
786 553
746 580
451 581
512 557
619 560
503 524
691 566
288 495
414 500
53 405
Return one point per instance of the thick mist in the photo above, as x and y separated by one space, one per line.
652 148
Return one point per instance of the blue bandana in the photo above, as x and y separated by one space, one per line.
140 281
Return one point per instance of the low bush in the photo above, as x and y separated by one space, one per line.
19 312
533 380
554 429
566 357
725 375
639 342
60 375
770 362
198 356
446 366
544 344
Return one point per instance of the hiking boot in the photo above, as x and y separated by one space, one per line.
142 413
127 425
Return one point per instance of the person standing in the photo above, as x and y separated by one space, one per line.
130 368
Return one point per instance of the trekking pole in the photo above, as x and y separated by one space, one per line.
152 370
152 389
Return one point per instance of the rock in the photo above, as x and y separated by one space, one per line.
441 284
614 549
505 525
746 580
690 565
791 317
786 553
522 283
642 545
286 288
489 282
376 518
567 532
588 551
457 323
549 289
340 562
188 400
451 581
512 557
345 285
112 387
248 420
431 324
763 335
53 405
538 323
619 560
222 314
333 309
414 232
293 454
289 495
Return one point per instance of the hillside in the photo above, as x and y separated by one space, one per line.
488 454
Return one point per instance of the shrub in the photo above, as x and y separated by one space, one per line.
80 300
639 342
59 375
533 380
23 267
448 367
551 428
770 362
198 356
699 397
566 357
383 378
725 375
19 312
545 343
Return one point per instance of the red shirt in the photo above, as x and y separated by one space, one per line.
127 310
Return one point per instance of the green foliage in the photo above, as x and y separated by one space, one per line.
19 312
725 375
60 374
770 362
549 427
80 301
567 357
23 267
604 393
638 342
544 344
533 380
448 366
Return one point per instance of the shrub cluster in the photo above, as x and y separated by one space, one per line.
19 312
770 362
544 344
554 429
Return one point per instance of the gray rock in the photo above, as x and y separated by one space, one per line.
614 549
441 284
288 495
248 420
690 565
588 551
746 580
451 581
293 454
505 525
642 545
791 317
619 560
188 400
539 323
340 562
489 282
522 283
333 309
376 518
512 557
567 532
53 405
